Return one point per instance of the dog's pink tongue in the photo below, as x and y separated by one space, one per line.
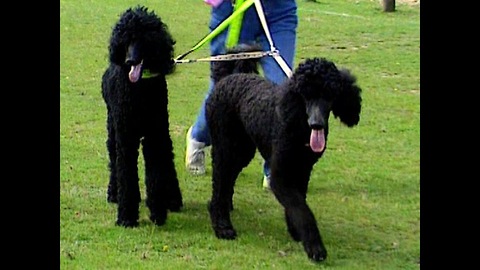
135 72
317 140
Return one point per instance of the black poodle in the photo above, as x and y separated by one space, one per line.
135 91
288 124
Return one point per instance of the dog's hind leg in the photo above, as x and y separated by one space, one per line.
161 181
155 180
231 152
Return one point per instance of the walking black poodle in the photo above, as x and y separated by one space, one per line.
288 124
135 91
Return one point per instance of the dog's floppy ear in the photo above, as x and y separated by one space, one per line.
348 103
117 49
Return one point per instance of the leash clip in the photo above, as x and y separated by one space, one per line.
273 52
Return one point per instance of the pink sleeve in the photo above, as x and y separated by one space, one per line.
213 3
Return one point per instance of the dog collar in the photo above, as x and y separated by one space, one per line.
146 74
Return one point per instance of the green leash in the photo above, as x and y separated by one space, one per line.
235 26
238 10
233 37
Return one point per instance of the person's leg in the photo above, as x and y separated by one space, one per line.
282 24
198 135
200 130
283 31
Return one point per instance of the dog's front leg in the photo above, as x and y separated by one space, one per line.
300 220
127 181
303 223
112 154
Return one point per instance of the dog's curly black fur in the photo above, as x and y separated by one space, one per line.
134 88
288 124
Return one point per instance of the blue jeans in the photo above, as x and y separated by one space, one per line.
282 21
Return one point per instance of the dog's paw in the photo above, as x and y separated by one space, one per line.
127 223
226 233
316 252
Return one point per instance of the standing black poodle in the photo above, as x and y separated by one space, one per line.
134 88
288 124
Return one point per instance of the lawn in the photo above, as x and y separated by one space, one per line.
364 192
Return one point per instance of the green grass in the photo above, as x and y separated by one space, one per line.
364 192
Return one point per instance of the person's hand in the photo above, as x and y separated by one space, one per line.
213 3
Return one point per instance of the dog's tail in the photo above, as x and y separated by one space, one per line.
221 69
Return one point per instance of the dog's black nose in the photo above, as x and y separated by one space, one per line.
317 126
133 56
131 62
